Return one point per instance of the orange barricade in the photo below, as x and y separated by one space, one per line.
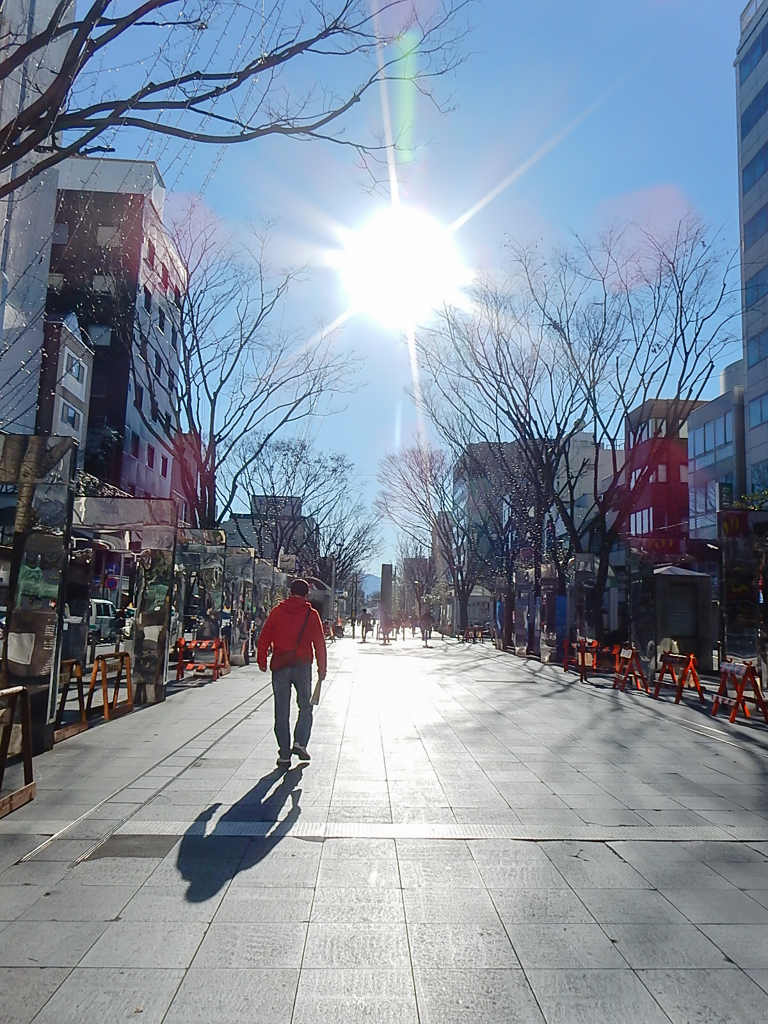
103 664
629 667
741 674
71 669
688 675
215 667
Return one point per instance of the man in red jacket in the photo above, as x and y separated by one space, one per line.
292 629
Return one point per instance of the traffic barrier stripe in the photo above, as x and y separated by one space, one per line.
9 699
688 675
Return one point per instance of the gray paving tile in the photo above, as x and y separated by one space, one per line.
593 866
357 872
563 945
355 996
423 906
69 902
34 872
101 996
629 906
452 874
717 906
356 945
251 945
365 905
114 871
469 996
463 946
25 990
523 906
141 945
745 944
720 997
235 996
269 905
153 904
664 946
760 978
14 900
595 997
38 944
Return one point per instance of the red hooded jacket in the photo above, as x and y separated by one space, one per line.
281 631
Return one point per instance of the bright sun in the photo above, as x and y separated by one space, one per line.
400 267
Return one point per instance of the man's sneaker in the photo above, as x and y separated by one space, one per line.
283 762
301 752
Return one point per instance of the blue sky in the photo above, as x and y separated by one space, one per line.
663 136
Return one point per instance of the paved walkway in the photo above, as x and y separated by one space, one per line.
475 840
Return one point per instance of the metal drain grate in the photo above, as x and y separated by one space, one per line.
384 830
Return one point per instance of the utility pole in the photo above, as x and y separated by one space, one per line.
333 591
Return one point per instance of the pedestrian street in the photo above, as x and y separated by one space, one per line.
477 838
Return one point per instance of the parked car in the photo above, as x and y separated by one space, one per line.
103 620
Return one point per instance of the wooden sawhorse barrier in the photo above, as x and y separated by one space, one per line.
741 674
101 667
688 675
74 672
9 699
629 667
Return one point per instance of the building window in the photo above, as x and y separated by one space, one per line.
155 412
168 424
754 112
177 297
104 284
70 416
661 473
711 435
641 523
158 364
164 275
174 337
74 367
163 465
756 227
754 170
107 235
60 234
758 411
759 477
161 321
753 56
683 473
147 299
756 288
171 380
56 282
134 444
139 400
150 252
150 456
100 334
757 349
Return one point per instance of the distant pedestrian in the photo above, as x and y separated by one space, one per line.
426 622
291 631
366 624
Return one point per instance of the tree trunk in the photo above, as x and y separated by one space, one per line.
595 597
463 597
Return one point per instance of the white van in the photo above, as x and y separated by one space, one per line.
103 620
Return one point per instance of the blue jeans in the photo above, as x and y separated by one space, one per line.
300 677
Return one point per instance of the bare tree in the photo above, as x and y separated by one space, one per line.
305 502
418 496
579 340
241 381
210 71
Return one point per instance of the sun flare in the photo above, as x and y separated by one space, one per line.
400 267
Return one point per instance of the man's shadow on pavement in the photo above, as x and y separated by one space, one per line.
209 862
